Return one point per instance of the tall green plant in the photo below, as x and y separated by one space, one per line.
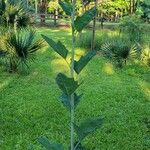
69 85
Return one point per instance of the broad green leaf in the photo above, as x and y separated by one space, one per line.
79 65
87 17
58 47
67 8
66 100
50 145
67 85
87 127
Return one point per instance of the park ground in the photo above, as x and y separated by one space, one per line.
30 107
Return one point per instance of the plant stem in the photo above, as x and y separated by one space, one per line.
77 145
72 73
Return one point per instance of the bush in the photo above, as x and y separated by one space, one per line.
131 25
119 50
14 12
18 47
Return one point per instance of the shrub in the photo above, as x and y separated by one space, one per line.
19 47
131 25
119 50
14 11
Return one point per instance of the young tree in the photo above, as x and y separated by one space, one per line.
69 85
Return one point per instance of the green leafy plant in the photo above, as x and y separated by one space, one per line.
131 26
14 12
69 85
119 50
18 47
144 8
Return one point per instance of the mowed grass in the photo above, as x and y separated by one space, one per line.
30 107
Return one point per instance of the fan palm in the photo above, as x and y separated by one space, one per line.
14 11
19 47
119 50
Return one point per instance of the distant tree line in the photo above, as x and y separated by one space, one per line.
109 10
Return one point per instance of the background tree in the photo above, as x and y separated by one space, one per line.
42 5
145 9
94 27
53 6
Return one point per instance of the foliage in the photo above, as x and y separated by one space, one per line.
14 12
68 85
145 9
145 56
66 7
58 47
87 127
53 5
83 61
50 145
120 50
18 47
131 25
82 21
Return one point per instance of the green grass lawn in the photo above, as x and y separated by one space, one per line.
30 107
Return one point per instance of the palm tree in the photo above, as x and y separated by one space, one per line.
13 11
119 50
19 47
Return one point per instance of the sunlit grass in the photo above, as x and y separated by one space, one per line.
108 68
145 88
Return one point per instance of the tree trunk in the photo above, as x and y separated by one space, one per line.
102 20
130 7
55 17
94 28
43 6
133 6
80 34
